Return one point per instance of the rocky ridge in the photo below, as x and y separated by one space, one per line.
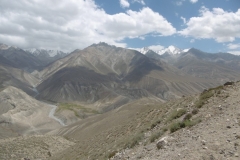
215 137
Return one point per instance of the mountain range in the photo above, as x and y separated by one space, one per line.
46 56
106 100
106 77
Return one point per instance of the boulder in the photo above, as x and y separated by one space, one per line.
162 143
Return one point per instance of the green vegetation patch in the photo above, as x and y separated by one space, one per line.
204 96
176 114
186 123
77 109
156 135
132 141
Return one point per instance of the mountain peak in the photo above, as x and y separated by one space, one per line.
102 44
4 46
51 53
144 50
172 50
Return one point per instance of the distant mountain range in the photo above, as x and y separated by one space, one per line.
45 52
46 56
107 76
16 66
29 60
120 75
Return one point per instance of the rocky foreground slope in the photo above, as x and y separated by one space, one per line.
216 137
202 126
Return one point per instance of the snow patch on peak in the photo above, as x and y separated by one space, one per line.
4 46
172 50
50 53
144 50
186 50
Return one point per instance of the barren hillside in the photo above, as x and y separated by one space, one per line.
203 126
21 114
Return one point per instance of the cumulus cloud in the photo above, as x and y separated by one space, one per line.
234 52
72 24
193 1
152 47
140 1
179 3
223 26
184 19
132 24
124 3
156 47
233 46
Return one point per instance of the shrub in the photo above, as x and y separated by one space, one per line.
155 124
112 154
199 104
155 136
134 140
195 111
176 126
176 114
186 123
203 98
189 123
206 95
187 116
165 129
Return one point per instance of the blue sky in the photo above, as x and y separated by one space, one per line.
176 12
208 25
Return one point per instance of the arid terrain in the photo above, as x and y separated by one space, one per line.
119 80
202 126
108 102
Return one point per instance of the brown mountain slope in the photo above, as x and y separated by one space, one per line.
20 114
101 71
21 59
220 67
211 132
10 76
133 130
215 137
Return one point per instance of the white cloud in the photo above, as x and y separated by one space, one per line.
233 46
140 1
184 19
234 52
193 1
156 47
72 24
217 24
133 24
179 2
144 50
192 40
124 3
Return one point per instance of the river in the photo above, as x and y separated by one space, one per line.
52 111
